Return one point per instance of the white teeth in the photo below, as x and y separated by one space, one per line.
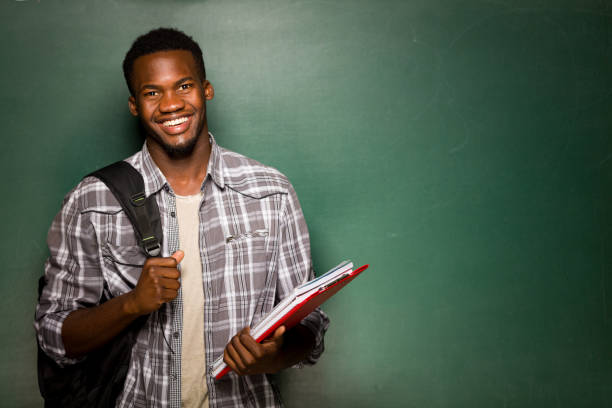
175 122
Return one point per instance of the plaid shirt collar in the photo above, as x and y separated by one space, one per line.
154 179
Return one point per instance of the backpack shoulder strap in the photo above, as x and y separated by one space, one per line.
99 380
127 185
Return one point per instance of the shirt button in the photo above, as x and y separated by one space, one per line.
176 334
173 214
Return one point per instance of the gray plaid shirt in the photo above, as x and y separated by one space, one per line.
254 247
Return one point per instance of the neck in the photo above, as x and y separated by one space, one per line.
185 174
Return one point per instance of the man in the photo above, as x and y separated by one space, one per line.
234 226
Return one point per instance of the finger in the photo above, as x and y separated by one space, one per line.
278 339
245 355
168 273
167 283
178 256
277 336
279 331
235 357
168 295
230 362
169 262
254 348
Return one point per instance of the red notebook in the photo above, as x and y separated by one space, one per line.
295 308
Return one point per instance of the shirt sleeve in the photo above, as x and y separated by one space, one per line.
72 273
295 268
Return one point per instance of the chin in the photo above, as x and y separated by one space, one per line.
181 150
176 150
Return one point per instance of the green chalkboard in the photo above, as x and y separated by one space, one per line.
462 148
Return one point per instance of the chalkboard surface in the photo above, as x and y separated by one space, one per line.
461 148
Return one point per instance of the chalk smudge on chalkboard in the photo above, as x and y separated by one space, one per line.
606 159
460 146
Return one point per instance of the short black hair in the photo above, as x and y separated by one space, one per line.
161 39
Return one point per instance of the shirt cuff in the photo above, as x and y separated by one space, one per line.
317 322
49 335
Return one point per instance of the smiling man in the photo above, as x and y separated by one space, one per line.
235 243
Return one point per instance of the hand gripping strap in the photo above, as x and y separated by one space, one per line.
127 185
97 381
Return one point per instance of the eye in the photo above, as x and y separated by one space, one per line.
150 93
186 86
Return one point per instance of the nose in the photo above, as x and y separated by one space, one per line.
171 102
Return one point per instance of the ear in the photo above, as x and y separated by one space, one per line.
209 91
132 105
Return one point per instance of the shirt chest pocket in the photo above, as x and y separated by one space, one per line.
248 226
121 266
246 259
122 257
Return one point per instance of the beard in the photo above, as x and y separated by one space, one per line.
175 151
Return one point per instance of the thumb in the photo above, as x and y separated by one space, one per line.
277 338
279 332
178 256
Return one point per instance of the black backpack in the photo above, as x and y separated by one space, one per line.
98 380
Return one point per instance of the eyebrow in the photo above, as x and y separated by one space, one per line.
153 86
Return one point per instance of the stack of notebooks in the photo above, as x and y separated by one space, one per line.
295 307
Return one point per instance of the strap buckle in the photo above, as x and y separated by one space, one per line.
138 199
151 246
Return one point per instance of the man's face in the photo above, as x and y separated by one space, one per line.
169 98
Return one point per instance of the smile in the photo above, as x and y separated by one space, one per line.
176 126
175 122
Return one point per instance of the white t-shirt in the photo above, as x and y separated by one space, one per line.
194 392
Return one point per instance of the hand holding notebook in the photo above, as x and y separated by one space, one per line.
302 301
